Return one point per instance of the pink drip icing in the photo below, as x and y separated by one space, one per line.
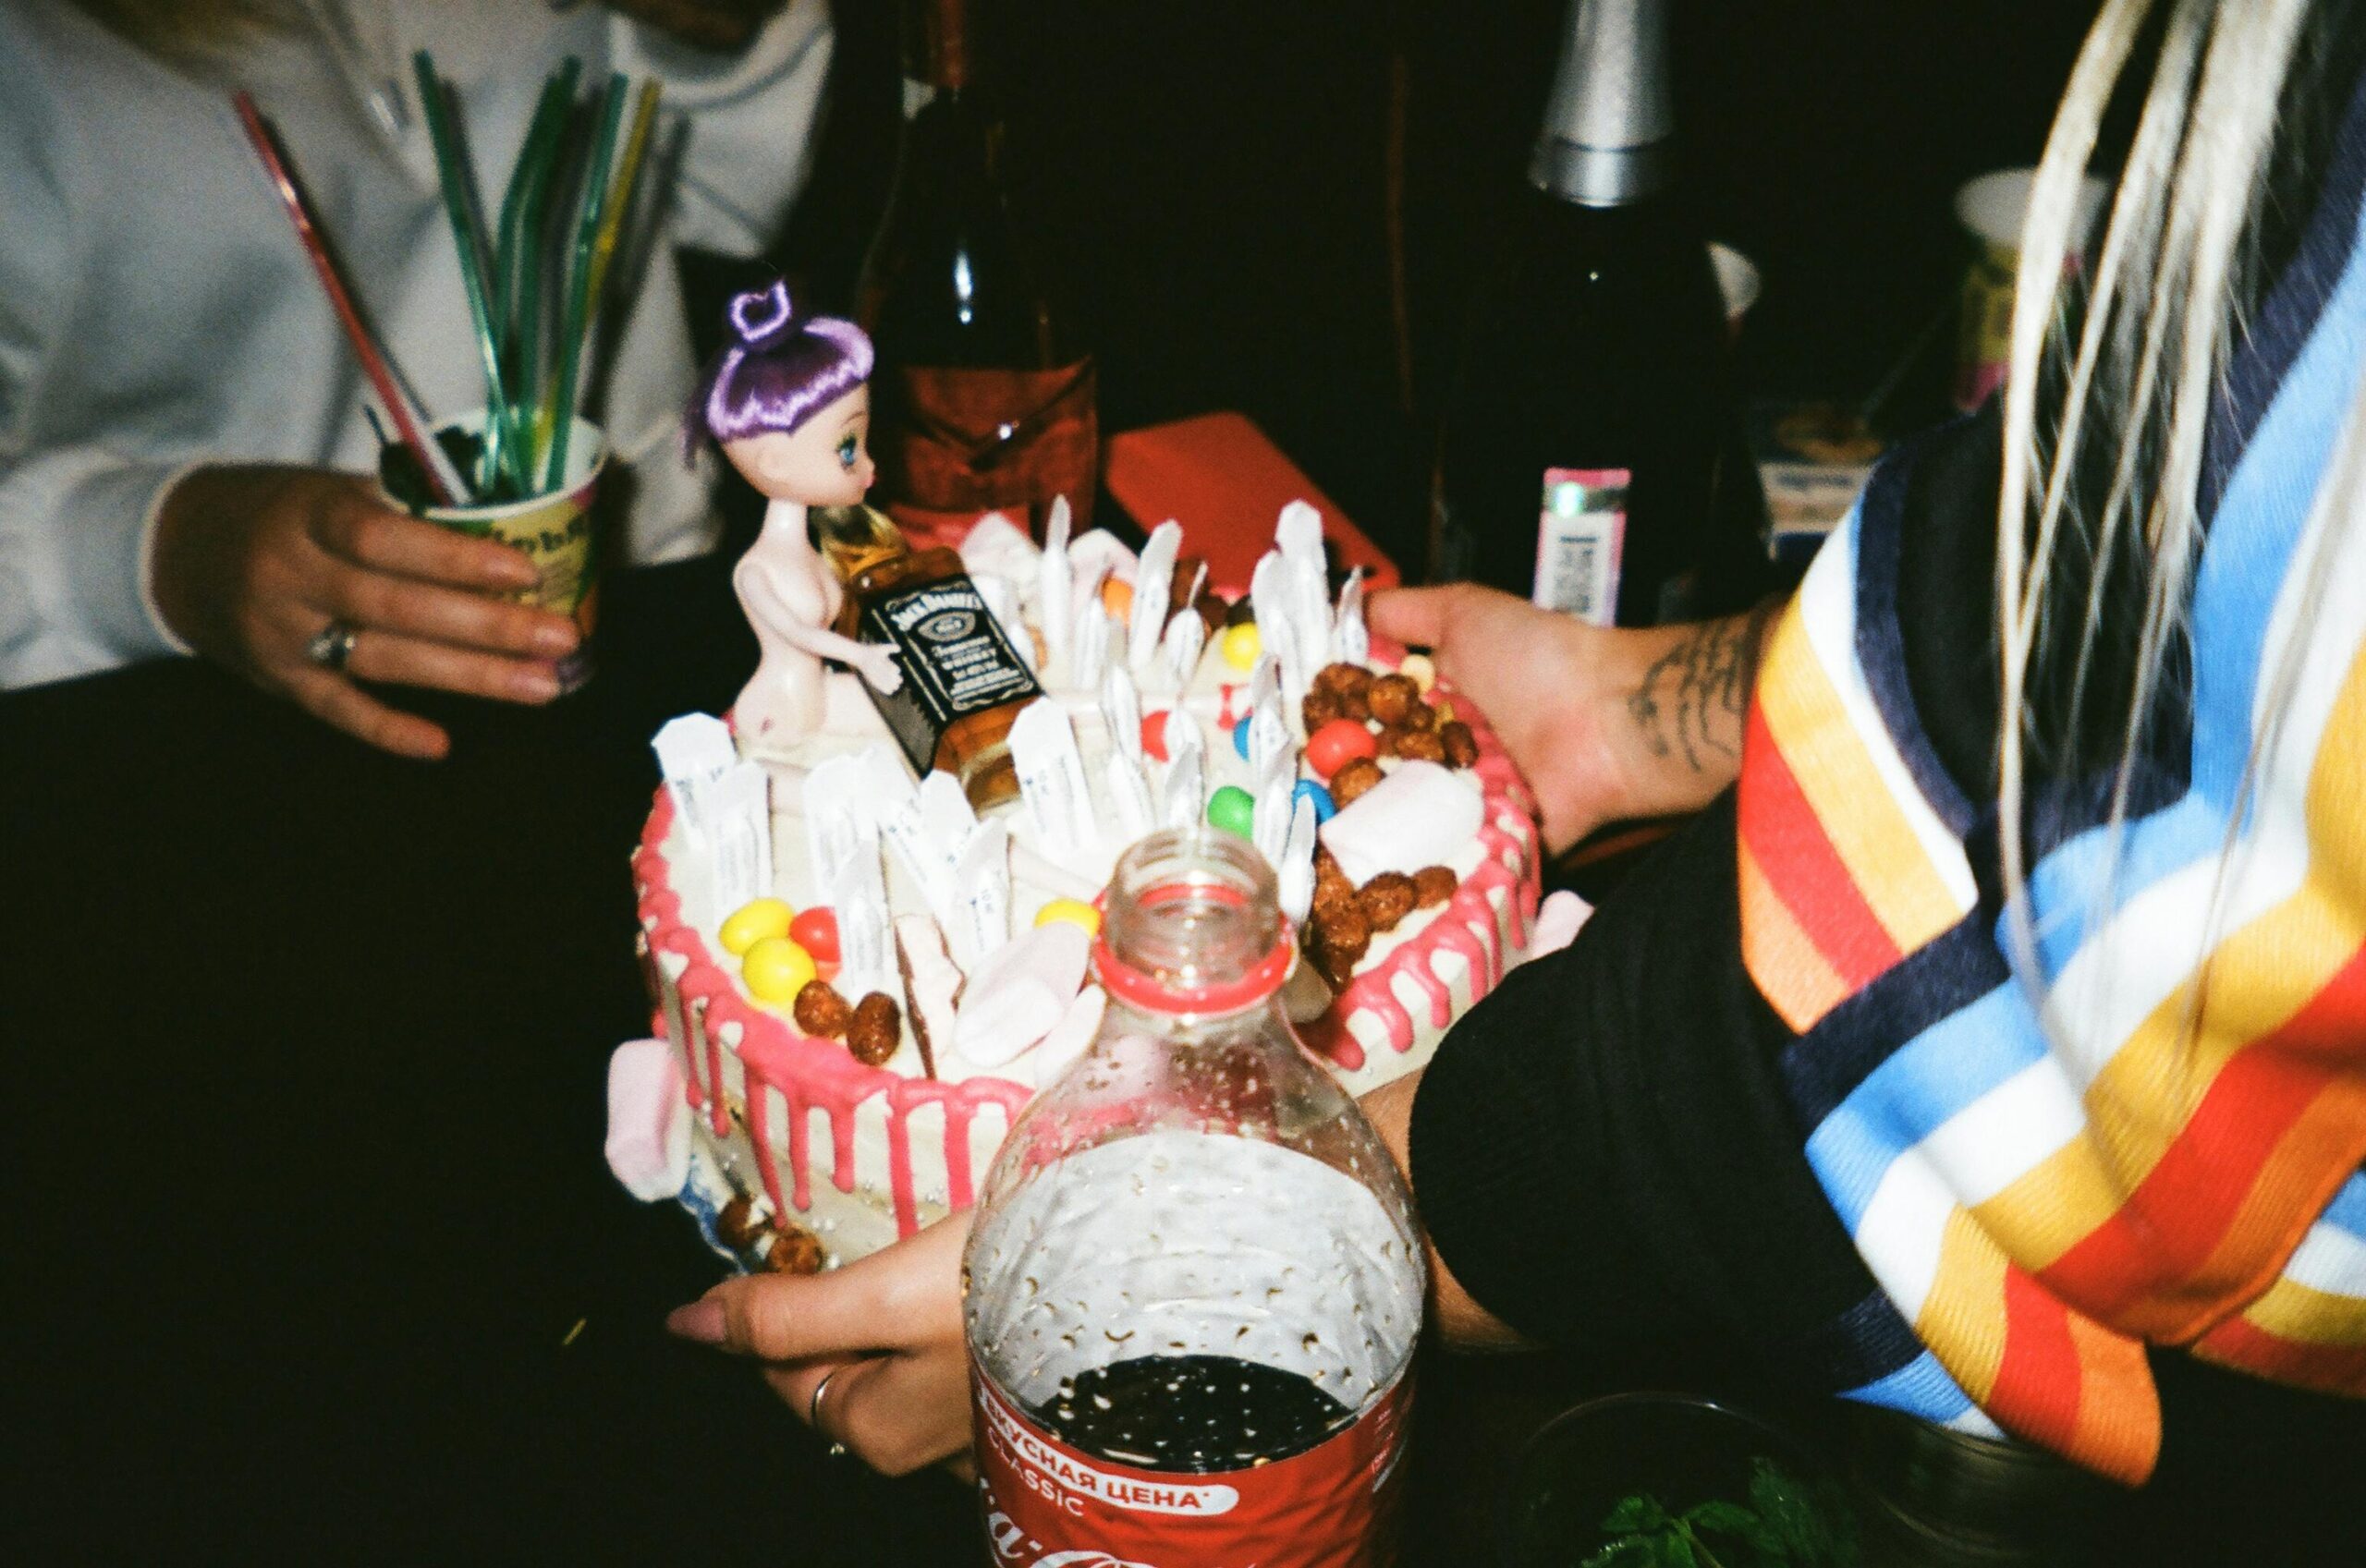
760 1136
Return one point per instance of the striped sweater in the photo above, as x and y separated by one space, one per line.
2157 1141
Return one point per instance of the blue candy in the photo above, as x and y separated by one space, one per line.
1240 737
1309 790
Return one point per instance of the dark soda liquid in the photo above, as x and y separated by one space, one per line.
1193 1414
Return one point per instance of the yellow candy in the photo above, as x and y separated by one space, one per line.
1117 596
775 970
1419 669
1075 911
753 922
1240 645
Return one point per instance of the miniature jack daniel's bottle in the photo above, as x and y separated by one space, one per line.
963 683
1194 1282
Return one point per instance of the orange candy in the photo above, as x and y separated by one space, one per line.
1337 744
1117 596
816 930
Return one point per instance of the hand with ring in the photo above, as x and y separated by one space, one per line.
872 1354
302 581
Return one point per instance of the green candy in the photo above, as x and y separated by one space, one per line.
1232 810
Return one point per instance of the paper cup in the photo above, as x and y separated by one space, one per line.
558 531
1991 209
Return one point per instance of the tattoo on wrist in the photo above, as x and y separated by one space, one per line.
1692 700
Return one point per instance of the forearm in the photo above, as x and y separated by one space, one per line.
1674 700
1454 1313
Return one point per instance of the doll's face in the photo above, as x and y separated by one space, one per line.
823 462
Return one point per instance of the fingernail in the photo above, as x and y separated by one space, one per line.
554 640
701 1322
534 686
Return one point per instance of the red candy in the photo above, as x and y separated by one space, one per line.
1154 734
816 930
1337 744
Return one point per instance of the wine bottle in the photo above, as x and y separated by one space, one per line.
1589 459
981 400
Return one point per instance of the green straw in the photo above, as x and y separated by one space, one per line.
468 241
517 266
587 231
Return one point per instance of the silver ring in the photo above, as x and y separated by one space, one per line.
814 1409
331 646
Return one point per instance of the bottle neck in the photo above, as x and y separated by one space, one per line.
941 58
1609 134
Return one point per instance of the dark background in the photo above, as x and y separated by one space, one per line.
1213 187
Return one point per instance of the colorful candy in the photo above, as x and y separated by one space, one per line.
1240 645
776 969
1240 737
1421 670
816 930
1337 744
1075 911
1154 734
753 922
1118 597
1309 790
1233 809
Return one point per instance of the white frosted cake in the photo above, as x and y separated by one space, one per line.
811 1127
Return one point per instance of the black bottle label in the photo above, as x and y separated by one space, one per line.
956 661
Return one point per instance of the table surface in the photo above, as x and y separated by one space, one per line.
311 1235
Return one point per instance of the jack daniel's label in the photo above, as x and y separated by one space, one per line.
956 660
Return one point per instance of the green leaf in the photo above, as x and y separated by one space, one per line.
1633 1551
1636 1514
1676 1552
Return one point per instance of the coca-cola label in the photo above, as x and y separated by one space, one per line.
1048 1505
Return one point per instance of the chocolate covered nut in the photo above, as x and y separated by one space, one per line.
821 1011
1352 780
1386 899
1420 745
1421 716
877 1026
739 1225
1340 938
1392 697
1319 708
795 1251
1462 748
1432 885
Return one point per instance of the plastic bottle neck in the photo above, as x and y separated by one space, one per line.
1609 135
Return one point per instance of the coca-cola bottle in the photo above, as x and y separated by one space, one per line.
1194 1281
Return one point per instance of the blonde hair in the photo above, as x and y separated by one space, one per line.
2113 383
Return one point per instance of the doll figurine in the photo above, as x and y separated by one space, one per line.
788 404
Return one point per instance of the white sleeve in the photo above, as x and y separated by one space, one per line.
75 517
750 122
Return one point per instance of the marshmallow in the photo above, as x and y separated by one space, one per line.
1019 993
1420 815
648 1120
1558 920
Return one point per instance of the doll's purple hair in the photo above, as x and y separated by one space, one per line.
780 369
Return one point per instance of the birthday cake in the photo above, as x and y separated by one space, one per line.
858 977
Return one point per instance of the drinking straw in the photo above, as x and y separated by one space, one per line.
468 241
587 229
442 477
644 116
517 264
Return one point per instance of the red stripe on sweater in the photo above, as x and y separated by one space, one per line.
2175 1220
2036 1393
1801 866
2247 1347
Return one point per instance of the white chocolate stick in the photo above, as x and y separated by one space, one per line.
1121 712
1270 595
1182 795
1154 580
980 895
1089 643
1050 781
1351 639
1294 869
1052 585
1179 650
1299 536
1002 600
1129 802
1270 819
